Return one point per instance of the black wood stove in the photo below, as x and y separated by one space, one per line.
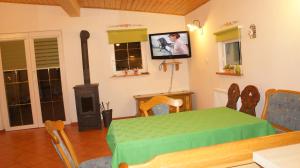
87 95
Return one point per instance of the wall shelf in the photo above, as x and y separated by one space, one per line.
228 73
165 65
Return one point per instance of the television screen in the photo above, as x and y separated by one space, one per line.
170 45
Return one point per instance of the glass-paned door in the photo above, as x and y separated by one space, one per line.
49 79
32 82
16 83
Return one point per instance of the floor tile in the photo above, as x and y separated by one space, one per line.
32 148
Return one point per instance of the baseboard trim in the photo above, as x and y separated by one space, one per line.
74 124
117 118
120 118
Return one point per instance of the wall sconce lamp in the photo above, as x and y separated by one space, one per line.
195 26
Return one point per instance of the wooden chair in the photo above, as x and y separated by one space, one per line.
250 97
160 105
233 96
282 109
66 151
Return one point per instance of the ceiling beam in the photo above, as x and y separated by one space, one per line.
72 7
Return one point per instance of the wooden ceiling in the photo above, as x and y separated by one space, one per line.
72 7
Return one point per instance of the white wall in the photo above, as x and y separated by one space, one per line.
269 61
119 91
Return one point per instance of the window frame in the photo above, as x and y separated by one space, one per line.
222 53
143 57
62 64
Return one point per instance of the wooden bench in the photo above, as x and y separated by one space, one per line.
232 154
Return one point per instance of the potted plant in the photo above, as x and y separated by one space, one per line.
135 71
106 114
228 68
238 70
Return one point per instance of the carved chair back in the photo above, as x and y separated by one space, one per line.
233 96
250 97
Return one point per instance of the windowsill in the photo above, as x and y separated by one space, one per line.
129 75
229 73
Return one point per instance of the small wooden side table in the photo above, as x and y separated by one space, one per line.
186 97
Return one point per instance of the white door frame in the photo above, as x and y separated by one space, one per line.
3 101
32 78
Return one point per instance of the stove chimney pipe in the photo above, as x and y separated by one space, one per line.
84 35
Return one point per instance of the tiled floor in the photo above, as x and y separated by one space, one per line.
32 148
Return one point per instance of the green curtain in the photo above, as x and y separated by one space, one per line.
46 52
13 55
127 35
228 34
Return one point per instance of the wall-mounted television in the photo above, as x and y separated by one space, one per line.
170 45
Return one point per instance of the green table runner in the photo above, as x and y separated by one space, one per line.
140 139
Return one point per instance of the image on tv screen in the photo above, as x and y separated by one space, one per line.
170 44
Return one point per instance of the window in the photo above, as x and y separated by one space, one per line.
129 51
49 79
229 54
229 49
128 56
232 53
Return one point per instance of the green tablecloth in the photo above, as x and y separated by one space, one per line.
140 139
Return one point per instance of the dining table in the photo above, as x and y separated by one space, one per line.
138 140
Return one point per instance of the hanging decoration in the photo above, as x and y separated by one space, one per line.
252 31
